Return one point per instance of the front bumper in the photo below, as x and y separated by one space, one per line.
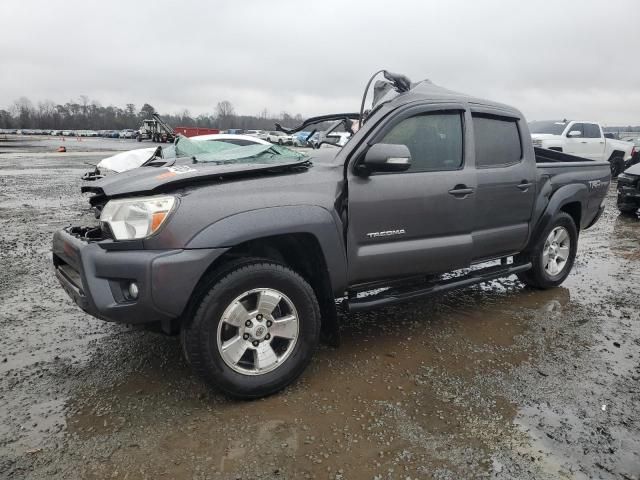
628 197
97 279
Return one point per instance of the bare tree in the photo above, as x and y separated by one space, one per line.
224 109
147 111
84 101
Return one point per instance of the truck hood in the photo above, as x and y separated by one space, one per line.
633 170
151 180
543 136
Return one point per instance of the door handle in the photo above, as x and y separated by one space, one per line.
524 185
461 191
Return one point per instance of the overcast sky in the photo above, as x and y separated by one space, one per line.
551 59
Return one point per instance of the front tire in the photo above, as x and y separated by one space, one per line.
254 331
553 254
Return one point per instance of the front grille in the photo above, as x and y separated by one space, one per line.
69 273
625 180
89 234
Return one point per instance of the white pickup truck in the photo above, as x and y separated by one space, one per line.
583 139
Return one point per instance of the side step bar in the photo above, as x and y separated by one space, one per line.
397 295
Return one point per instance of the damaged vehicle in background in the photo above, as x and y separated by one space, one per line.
243 252
629 190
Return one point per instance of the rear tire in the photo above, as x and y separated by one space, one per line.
257 316
616 165
553 254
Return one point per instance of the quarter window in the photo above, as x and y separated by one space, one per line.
497 141
434 140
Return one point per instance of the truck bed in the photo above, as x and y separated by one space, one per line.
544 155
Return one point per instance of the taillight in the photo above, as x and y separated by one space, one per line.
633 151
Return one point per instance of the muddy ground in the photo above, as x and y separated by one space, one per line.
497 381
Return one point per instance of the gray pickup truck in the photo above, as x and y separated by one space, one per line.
250 252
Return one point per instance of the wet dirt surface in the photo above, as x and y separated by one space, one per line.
495 381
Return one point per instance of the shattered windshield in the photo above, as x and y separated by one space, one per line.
221 152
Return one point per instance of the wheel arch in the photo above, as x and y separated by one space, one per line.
615 154
306 239
570 199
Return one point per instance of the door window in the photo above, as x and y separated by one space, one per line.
434 140
497 141
577 127
591 130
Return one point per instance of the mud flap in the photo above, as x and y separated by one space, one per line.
330 326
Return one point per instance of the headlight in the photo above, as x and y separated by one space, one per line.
628 179
132 218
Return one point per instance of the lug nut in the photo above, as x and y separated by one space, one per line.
256 343
269 323
267 336
259 317
248 323
245 336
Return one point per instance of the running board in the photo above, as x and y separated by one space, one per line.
396 295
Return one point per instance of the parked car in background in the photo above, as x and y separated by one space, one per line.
280 138
300 139
583 139
240 140
635 157
339 139
128 133
629 190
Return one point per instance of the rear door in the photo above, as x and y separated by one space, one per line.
506 185
418 221
594 141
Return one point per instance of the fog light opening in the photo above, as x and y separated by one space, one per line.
133 290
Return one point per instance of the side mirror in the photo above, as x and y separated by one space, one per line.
574 133
386 157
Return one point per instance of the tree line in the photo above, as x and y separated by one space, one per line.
87 114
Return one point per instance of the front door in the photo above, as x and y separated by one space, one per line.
576 145
418 221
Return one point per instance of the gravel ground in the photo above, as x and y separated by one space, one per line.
496 381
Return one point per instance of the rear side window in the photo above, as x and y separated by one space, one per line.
497 141
591 130
434 140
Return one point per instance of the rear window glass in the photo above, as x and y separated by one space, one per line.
497 141
591 130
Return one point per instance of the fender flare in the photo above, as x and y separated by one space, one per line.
265 222
576 192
